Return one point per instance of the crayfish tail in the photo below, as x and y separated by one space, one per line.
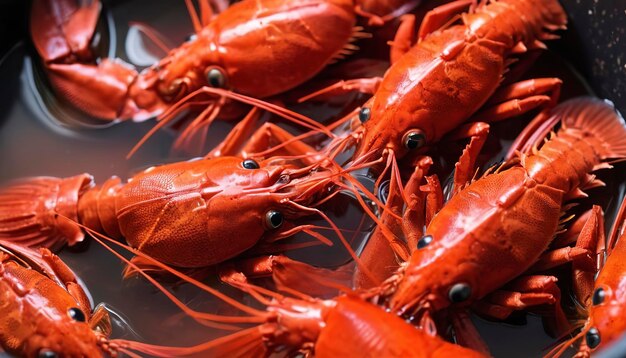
42 211
96 207
598 118
598 133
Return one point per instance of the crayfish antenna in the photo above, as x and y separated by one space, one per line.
345 243
256 316
198 128
326 90
335 229
299 138
285 113
397 245
193 14
395 171
392 167
169 115
337 145
359 190
245 343
256 292
560 348
153 35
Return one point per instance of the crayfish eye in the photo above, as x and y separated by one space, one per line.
250 164
273 219
598 296
414 139
191 37
46 353
364 114
592 337
215 77
76 314
424 241
459 292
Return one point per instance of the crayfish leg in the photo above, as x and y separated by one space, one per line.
529 292
238 136
464 169
100 320
361 85
592 240
404 38
466 334
380 254
519 98
442 15
289 275
267 140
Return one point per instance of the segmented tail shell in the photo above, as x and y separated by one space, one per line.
591 133
501 21
41 211
97 209
597 118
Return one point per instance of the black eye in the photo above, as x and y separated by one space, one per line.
414 139
46 353
459 292
364 114
598 296
424 241
250 164
191 37
592 337
215 77
273 219
76 314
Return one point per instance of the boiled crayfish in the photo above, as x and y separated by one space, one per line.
507 220
604 300
187 214
45 311
434 89
316 327
285 35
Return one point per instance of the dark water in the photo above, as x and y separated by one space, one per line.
32 143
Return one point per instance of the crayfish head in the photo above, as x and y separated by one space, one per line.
188 68
429 283
61 335
386 130
607 317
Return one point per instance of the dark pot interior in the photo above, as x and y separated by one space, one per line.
595 43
